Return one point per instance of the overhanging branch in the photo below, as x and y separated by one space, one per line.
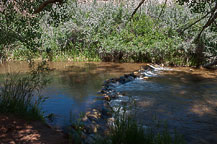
181 31
44 4
134 12
211 19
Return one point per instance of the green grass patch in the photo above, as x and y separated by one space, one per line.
127 131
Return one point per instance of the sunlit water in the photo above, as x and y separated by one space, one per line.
184 99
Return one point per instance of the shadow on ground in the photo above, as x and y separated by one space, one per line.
14 130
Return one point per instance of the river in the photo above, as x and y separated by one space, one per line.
184 98
73 87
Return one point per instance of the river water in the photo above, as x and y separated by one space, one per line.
73 87
184 98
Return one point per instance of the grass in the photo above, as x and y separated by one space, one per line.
20 95
127 131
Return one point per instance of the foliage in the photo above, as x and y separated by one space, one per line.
75 130
198 6
20 95
19 26
103 31
209 8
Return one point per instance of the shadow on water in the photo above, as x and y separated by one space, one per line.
186 102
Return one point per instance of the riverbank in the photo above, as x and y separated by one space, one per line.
14 130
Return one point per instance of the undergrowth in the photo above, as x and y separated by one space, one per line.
127 131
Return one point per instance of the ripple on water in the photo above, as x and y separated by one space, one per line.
186 102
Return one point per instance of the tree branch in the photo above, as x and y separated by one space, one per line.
134 12
210 21
215 23
194 23
44 4
162 10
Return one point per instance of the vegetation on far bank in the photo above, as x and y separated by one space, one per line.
106 31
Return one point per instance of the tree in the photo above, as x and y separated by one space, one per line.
209 8
19 21
206 6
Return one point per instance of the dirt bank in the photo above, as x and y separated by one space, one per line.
16 130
